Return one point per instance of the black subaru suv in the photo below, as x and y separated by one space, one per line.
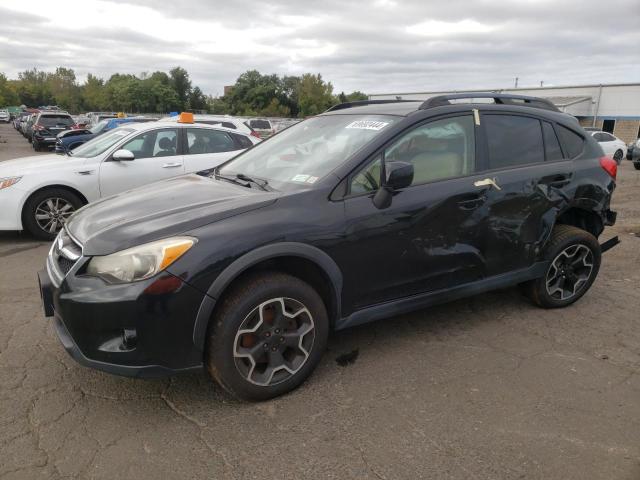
364 212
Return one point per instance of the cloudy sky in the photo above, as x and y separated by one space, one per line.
375 46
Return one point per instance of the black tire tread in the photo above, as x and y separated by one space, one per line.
231 301
561 233
29 222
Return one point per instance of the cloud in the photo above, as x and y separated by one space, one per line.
383 46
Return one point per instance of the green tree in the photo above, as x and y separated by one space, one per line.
8 95
62 85
33 88
197 100
315 95
181 84
93 94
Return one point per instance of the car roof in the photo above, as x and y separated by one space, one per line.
142 126
400 108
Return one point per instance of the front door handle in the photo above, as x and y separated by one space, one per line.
487 182
172 165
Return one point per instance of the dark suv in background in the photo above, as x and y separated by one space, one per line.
367 211
46 126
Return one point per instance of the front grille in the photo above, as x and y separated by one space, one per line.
64 254
65 264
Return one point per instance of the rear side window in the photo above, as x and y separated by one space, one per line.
241 140
572 143
200 141
513 140
260 124
551 144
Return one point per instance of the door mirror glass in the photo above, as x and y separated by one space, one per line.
399 175
123 155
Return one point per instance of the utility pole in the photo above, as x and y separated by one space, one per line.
542 83
516 84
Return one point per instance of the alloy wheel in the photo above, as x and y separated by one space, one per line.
274 341
52 213
569 272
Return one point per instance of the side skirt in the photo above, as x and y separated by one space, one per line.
416 302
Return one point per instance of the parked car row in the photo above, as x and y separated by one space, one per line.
39 193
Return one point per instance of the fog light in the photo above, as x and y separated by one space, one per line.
129 339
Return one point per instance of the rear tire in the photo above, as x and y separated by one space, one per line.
636 165
268 335
618 156
574 261
46 211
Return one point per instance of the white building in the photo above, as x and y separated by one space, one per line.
613 107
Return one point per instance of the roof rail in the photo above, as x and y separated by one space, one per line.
499 98
360 103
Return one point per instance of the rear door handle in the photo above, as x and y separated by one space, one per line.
557 181
172 165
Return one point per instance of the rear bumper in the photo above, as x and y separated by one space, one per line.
610 217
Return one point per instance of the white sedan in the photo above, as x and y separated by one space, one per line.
612 145
39 193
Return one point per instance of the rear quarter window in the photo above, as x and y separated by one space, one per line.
551 144
572 142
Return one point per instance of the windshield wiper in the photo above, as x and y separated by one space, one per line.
263 184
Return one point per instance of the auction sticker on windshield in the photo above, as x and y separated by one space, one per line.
367 125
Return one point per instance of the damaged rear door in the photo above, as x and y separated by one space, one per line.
527 180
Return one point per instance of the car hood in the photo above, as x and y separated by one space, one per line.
160 210
38 163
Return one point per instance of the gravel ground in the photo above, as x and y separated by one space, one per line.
487 387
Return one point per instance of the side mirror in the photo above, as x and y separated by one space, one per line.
123 156
399 175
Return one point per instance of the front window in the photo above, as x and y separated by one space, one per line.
100 144
302 154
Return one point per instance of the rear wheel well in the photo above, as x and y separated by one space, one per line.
299 267
63 187
583 219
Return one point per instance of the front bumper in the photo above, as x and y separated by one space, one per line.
135 330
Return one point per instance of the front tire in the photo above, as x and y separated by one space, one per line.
574 261
46 211
636 165
268 336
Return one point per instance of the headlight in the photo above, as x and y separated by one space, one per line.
141 262
8 181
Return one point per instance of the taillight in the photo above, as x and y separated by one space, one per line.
610 166
255 134
38 127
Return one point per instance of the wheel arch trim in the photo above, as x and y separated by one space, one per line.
254 257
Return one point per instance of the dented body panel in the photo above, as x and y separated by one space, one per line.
433 242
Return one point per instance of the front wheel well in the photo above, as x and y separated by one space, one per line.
63 187
583 219
299 267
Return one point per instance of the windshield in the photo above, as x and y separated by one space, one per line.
300 155
99 127
98 145
55 120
